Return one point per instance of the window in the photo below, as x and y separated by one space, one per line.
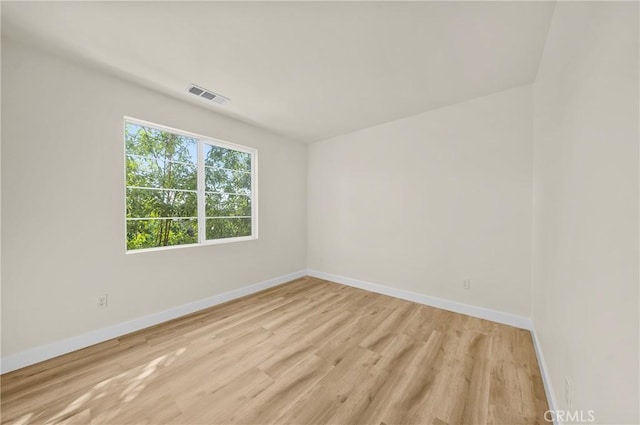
185 189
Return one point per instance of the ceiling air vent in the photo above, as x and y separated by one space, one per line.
207 94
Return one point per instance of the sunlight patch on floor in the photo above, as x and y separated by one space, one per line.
134 380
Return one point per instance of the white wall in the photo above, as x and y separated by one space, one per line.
424 202
63 204
586 190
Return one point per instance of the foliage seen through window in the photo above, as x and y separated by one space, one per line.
164 189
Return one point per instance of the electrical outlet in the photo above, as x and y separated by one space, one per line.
568 392
466 284
102 301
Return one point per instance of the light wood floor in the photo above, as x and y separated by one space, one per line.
307 352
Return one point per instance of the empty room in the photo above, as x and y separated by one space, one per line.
358 213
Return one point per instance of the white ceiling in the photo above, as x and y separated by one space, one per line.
305 70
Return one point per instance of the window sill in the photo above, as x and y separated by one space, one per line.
192 245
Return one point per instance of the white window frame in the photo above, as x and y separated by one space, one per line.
202 221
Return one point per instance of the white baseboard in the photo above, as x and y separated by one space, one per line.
457 307
546 378
45 352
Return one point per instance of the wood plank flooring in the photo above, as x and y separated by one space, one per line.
306 352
